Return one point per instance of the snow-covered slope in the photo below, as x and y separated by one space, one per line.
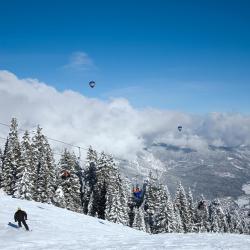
56 228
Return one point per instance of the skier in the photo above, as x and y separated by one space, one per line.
20 217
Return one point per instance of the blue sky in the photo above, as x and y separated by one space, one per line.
192 56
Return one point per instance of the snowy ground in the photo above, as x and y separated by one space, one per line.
244 200
56 228
246 188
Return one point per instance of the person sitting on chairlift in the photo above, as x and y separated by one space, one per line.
65 174
137 192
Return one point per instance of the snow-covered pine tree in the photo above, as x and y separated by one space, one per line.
25 182
160 217
69 186
152 202
12 163
178 219
112 200
217 217
139 221
223 225
38 146
91 209
44 185
116 207
108 197
201 219
79 173
3 156
245 224
1 166
131 201
89 178
181 204
214 220
171 223
191 209
59 199
123 216
92 156
51 172
165 219
98 186
234 221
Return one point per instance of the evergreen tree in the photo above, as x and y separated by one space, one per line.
235 222
117 200
214 220
25 182
139 222
191 208
124 198
59 198
245 224
89 178
151 202
116 207
45 177
171 224
201 219
1 166
179 223
103 173
91 209
69 185
165 217
217 217
2 161
12 163
223 225
92 156
107 197
181 204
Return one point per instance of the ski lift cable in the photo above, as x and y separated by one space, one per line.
55 153
4 139
3 124
61 154
79 160
51 139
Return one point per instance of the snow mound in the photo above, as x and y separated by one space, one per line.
55 228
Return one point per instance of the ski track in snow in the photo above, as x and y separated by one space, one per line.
55 228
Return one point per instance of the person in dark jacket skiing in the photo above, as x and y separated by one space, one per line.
21 217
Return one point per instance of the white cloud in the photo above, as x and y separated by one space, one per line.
113 126
80 61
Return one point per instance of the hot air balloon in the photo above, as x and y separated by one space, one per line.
92 84
180 128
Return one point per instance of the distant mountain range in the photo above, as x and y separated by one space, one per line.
218 172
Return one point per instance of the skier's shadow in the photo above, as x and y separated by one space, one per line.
41 207
102 223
